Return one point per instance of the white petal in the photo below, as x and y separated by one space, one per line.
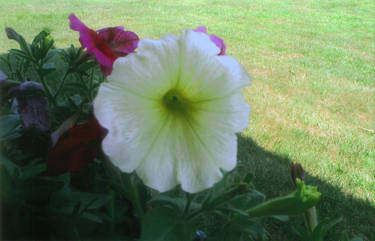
239 77
198 41
201 155
152 70
187 154
129 104
158 168
228 114
131 121
206 78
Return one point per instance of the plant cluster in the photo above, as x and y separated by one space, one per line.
57 182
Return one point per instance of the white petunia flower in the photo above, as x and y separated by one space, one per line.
172 110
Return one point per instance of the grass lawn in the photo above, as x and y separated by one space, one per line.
312 94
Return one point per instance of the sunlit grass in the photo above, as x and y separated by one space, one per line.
313 91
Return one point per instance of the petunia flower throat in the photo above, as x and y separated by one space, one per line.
177 104
172 110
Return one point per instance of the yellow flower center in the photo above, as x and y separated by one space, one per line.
177 103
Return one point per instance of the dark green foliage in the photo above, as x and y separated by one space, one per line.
320 231
77 206
165 224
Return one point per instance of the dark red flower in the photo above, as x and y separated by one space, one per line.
75 148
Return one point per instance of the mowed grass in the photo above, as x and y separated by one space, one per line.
312 94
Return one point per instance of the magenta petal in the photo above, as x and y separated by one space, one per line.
93 42
106 44
95 45
106 33
120 41
106 70
76 24
201 29
125 42
102 58
219 43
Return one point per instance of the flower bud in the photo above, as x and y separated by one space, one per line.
296 171
303 198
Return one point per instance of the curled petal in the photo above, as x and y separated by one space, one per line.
76 24
106 44
93 42
120 41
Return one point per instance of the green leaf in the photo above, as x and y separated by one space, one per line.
91 217
33 169
234 210
247 200
240 228
63 179
65 201
282 218
9 127
86 66
357 239
49 66
12 34
50 55
302 233
39 37
164 200
46 47
12 168
164 224
228 195
323 227
20 53
76 85
40 46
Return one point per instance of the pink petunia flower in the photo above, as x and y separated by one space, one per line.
215 39
106 44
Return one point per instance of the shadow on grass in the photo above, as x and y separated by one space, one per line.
272 177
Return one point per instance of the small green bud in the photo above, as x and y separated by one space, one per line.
303 198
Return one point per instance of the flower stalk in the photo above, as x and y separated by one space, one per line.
303 198
310 215
311 219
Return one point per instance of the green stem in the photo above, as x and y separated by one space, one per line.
188 203
76 234
195 214
61 84
136 202
91 84
85 85
135 197
127 187
311 219
45 87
